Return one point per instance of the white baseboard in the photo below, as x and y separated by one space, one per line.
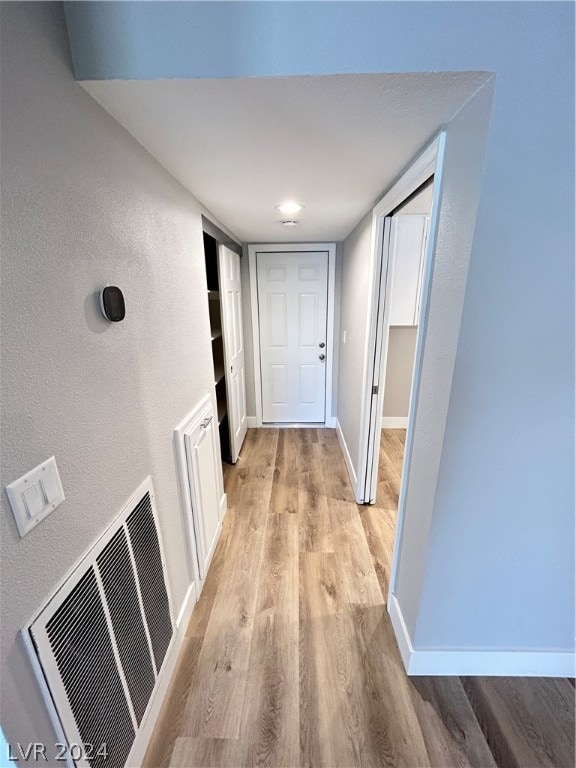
330 423
401 631
347 459
520 663
394 422
143 736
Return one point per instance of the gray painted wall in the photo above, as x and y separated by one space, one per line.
83 205
354 323
399 368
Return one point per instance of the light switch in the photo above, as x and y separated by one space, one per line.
34 495
50 487
33 500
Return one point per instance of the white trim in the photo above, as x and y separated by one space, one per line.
394 422
418 357
400 630
185 612
148 723
347 459
331 341
453 661
328 424
299 424
46 695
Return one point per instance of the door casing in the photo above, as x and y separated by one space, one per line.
253 250
428 163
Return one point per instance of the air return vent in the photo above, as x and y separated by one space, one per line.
101 640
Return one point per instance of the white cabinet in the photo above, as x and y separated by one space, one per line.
201 482
408 238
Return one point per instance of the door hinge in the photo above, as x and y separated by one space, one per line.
375 389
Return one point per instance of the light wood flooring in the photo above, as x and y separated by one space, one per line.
290 659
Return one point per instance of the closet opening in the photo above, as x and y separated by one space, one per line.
217 341
223 282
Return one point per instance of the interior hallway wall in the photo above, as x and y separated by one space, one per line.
353 327
84 205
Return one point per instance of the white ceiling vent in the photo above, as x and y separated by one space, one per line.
101 640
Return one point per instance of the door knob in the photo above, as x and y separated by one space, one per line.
321 345
322 357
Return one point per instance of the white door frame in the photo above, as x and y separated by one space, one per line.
428 163
253 250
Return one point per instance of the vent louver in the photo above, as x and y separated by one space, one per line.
119 585
103 637
144 538
89 672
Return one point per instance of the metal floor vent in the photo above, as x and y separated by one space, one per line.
104 635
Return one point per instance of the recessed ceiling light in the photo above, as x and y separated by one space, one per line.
289 207
289 223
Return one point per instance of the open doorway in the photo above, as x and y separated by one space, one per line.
409 233
404 227
409 228
404 231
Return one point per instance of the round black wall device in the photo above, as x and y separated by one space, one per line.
112 303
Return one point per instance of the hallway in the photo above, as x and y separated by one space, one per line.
290 658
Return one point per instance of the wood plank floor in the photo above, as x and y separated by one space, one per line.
290 658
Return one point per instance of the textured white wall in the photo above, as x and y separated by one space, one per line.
83 205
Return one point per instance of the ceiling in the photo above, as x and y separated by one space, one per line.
333 143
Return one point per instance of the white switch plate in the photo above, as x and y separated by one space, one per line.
35 495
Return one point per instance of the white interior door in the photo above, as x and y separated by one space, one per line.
292 309
383 312
231 303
